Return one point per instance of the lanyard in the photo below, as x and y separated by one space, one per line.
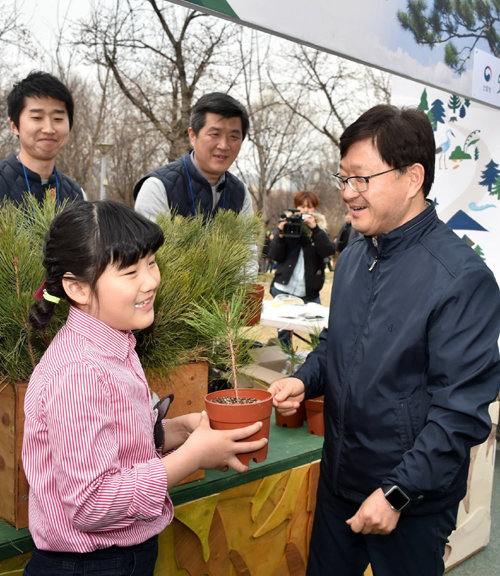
29 187
195 213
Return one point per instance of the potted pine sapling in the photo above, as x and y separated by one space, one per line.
199 262
224 324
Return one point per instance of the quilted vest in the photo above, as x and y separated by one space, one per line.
190 193
13 183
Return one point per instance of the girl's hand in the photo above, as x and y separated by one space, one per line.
217 449
177 430
211 449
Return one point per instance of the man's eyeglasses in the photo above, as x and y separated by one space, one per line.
358 183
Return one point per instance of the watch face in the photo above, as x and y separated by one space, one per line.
396 498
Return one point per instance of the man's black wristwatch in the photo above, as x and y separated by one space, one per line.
396 497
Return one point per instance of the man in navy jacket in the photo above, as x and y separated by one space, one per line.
408 365
40 109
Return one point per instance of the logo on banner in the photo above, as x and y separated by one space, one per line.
486 71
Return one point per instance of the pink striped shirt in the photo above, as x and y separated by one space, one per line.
95 477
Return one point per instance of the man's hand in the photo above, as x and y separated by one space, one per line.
287 393
375 515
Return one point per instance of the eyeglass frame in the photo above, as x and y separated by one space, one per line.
367 179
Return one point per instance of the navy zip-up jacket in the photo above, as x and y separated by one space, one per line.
408 365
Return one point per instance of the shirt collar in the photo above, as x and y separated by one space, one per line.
222 178
407 234
112 341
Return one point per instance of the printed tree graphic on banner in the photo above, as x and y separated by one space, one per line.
490 175
438 113
496 189
463 108
454 103
424 105
479 251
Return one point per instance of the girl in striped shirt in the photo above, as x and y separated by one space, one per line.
98 484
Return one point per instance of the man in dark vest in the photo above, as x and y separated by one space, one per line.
199 182
40 109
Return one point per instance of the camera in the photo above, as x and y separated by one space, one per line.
293 223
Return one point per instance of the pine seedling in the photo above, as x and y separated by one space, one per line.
223 324
199 263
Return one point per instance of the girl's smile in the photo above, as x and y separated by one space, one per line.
124 298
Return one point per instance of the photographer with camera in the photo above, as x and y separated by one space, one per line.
299 248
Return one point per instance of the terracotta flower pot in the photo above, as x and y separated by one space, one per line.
292 421
231 416
253 304
314 415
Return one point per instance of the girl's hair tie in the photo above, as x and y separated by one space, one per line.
50 298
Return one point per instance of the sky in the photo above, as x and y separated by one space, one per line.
357 29
43 16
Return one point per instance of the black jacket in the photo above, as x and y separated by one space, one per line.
347 234
14 188
316 246
408 365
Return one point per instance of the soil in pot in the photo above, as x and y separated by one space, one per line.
256 406
315 417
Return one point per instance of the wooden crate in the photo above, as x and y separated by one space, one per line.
189 385
13 484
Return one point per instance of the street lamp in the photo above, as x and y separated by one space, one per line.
104 149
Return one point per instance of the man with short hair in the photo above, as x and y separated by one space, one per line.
408 365
199 182
40 109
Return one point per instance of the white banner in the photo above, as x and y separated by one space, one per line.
486 82
466 189
369 32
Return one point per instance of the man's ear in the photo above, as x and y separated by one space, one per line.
77 291
417 174
192 136
13 127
